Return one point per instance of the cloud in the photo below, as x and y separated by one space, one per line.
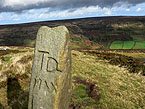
90 11
21 5
67 13
107 11
128 9
15 17
37 14
138 9
1 17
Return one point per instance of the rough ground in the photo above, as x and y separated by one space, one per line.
97 84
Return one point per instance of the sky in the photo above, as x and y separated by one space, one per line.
24 11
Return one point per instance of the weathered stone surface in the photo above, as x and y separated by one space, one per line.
50 86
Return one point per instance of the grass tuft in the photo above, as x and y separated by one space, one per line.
26 59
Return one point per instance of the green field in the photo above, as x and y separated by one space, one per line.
128 45
116 45
139 45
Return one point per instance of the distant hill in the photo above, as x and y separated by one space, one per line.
122 32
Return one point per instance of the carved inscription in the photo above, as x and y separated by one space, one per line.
50 67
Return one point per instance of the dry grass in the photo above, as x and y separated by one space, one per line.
16 65
135 55
14 80
118 88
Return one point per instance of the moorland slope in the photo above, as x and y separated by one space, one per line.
95 33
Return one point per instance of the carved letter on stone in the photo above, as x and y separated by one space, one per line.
50 86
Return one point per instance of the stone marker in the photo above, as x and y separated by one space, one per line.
50 86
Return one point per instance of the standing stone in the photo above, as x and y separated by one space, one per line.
50 86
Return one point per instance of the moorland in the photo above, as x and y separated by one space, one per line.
108 67
99 82
123 32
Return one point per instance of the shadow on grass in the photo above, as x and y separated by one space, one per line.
1 106
17 98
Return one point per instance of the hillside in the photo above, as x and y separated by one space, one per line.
98 84
92 33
